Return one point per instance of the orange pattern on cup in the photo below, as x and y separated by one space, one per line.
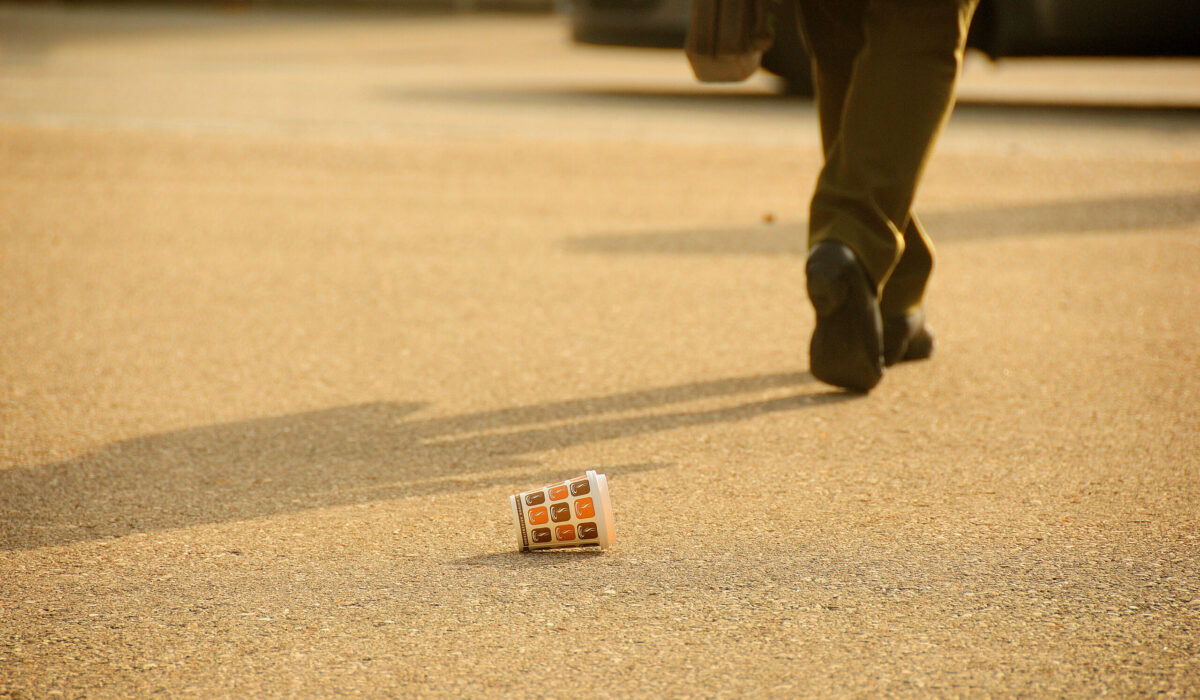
548 519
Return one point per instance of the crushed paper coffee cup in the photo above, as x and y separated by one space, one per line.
572 513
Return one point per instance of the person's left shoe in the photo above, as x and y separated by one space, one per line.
906 338
847 344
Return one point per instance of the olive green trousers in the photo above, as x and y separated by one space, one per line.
885 73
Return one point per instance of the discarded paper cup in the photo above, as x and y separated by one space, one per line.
572 513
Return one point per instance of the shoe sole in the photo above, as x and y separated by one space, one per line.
847 343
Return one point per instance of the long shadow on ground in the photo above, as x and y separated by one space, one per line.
353 454
1113 214
740 98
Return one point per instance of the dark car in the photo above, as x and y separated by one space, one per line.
1002 28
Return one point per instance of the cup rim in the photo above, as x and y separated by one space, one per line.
600 486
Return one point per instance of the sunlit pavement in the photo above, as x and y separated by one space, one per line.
291 302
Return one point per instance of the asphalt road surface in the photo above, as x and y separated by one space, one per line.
290 304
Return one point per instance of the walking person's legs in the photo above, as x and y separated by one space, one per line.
885 73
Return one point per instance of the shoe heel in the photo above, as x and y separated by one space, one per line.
846 349
827 284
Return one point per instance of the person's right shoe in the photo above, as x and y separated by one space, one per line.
906 338
847 344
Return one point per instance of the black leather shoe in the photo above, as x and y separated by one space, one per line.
906 338
847 344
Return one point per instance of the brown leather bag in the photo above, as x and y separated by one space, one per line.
726 38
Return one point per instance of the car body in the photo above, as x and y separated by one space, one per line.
1002 28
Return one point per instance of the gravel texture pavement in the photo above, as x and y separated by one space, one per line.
291 303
